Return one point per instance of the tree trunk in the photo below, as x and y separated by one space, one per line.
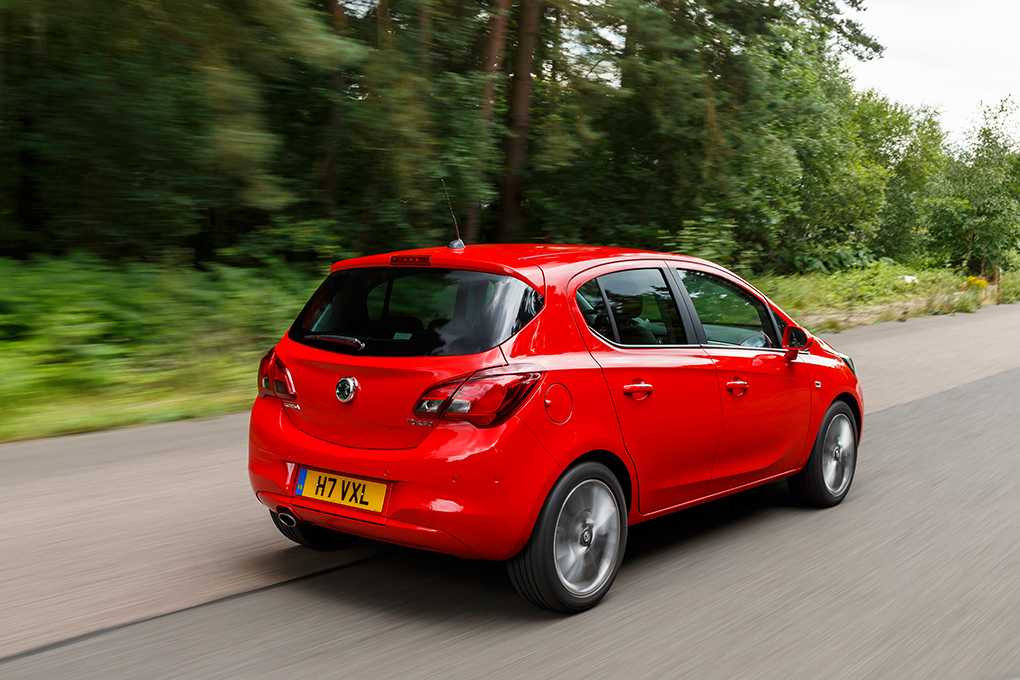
424 36
512 215
493 55
338 21
554 63
970 247
382 15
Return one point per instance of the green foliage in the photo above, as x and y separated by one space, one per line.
85 344
135 129
309 245
882 291
1009 287
296 131
910 144
973 211
878 283
128 127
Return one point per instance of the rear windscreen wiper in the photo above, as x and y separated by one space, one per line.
345 340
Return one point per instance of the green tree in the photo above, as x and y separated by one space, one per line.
910 144
136 126
973 214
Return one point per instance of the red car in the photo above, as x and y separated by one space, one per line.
529 402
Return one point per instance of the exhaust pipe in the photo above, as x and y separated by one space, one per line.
287 519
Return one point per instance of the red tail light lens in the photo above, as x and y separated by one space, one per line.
274 378
486 398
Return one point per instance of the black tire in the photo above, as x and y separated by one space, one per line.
810 485
311 536
533 570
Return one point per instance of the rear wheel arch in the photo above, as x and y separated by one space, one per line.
615 465
612 461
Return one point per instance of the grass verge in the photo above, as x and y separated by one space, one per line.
881 292
87 345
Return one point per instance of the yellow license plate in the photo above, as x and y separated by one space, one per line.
354 493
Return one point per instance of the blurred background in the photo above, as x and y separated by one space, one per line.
176 175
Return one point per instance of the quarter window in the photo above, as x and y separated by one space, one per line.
729 314
641 309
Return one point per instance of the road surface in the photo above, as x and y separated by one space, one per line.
141 553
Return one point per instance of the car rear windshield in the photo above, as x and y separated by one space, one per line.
415 311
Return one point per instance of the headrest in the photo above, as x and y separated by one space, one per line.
626 307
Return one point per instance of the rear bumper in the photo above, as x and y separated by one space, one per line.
465 491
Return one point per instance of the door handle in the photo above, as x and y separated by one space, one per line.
638 390
737 385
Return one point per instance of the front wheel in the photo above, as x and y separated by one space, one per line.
577 545
825 479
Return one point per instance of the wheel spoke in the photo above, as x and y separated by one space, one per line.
585 500
587 537
561 548
575 572
838 454
846 435
828 470
604 510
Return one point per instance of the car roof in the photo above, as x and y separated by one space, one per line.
524 260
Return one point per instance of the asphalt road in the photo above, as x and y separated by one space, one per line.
146 533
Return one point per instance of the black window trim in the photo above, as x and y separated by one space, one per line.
702 337
674 289
609 311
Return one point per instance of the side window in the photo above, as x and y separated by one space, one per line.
729 314
641 308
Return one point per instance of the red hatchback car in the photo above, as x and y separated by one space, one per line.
529 402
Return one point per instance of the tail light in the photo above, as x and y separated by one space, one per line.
485 398
274 378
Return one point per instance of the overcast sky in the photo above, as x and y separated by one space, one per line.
949 54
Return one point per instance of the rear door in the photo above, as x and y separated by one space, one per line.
663 386
765 398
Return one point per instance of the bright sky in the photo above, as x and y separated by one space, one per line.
949 54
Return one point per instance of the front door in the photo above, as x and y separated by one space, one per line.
765 397
663 385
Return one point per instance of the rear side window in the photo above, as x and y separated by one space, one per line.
729 314
415 311
641 308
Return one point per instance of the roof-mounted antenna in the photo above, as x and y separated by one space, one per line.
456 243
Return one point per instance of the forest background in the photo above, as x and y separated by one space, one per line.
176 175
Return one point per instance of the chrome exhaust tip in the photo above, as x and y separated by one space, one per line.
287 519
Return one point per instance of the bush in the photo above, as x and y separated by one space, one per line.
879 292
85 344
1009 287
879 283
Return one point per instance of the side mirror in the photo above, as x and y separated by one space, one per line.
795 339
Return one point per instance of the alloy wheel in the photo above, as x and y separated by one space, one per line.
838 453
587 537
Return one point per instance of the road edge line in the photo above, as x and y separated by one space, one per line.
49 647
